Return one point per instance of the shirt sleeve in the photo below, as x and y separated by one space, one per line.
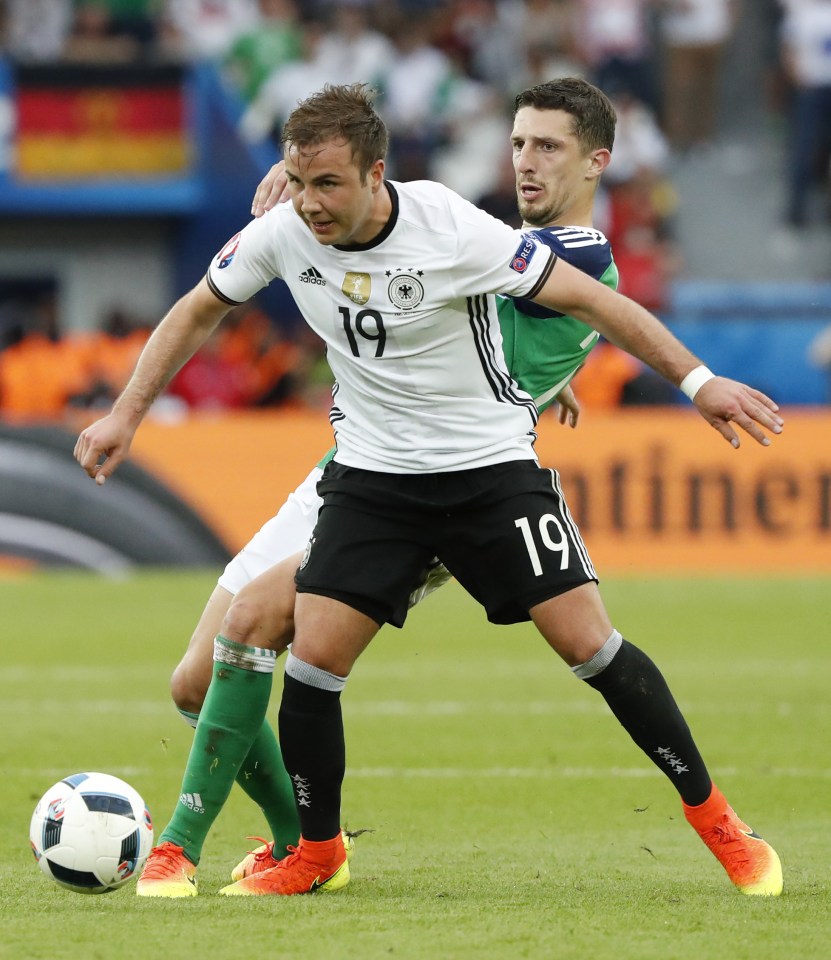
247 262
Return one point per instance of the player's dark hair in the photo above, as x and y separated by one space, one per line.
340 113
594 115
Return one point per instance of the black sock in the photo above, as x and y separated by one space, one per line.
639 697
314 753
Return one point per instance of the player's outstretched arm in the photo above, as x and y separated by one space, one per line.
174 341
270 191
626 324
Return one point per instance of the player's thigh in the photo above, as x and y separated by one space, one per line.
262 613
520 546
192 676
282 536
369 561
331 634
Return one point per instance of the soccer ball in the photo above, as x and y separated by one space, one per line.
91 832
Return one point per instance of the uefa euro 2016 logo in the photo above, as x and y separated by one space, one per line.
226 254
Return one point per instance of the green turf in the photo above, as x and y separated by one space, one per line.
512 818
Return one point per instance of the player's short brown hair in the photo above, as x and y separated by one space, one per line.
340 112
594 116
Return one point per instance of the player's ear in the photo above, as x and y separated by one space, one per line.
376 175
598 161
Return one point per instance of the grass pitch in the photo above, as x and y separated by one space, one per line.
512 817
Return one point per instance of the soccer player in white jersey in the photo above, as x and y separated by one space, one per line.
429 462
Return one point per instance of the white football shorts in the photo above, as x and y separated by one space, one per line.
288 532
284 534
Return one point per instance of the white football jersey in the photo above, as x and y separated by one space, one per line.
410 325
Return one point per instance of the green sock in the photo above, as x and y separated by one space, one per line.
230 720
263 777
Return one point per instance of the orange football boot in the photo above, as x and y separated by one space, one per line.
750 862
310 867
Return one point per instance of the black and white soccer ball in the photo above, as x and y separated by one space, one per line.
91 832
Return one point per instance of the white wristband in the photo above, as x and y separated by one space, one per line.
695 380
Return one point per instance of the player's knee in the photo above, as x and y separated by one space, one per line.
591 667
186 689
259 622
575 624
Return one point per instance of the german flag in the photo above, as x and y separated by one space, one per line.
92 122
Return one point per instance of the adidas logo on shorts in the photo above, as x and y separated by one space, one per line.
312 275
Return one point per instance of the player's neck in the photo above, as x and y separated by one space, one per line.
564 221
381 213
578 213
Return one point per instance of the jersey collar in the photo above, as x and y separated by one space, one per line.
389 226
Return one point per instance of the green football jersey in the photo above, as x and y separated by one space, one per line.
543 349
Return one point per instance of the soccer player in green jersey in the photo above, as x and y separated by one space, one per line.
562 140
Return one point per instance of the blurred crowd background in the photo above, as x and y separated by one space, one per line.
720 169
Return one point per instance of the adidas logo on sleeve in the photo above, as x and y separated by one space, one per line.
312 275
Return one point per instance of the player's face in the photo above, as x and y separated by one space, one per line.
329 195
555 180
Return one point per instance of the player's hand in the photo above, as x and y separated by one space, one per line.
723 402
569 407
271 191
103 446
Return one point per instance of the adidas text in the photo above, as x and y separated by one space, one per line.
193 801
312 276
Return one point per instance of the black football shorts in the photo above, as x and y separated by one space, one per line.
504 531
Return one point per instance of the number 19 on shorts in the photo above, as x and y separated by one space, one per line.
547 523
